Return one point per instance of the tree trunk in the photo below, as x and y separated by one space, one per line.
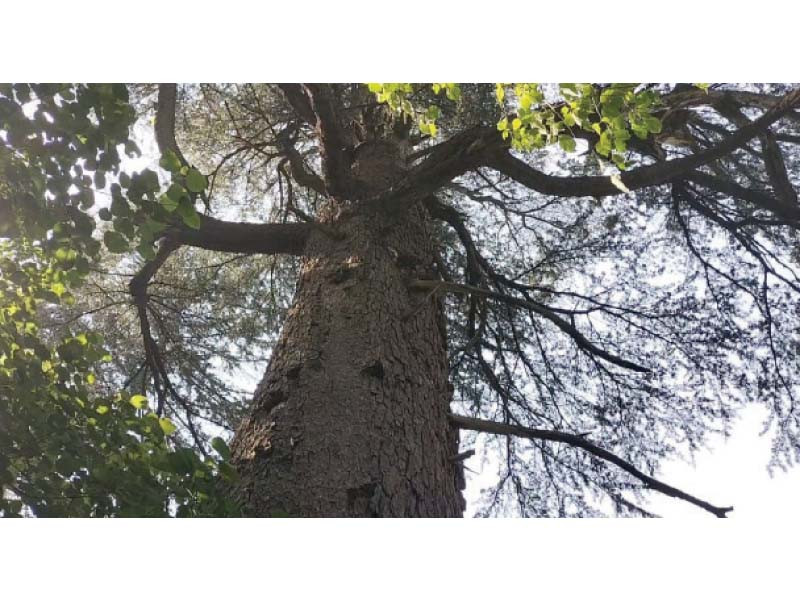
350 419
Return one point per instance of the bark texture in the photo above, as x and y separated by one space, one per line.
351 417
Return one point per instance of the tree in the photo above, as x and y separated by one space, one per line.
595 276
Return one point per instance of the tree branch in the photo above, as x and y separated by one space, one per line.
789 213
138 289
578 441
333 144
770 152
300 172
214 234
569 329
446 161
298 99
244 238
165 120
640 177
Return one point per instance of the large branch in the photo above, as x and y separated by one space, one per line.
335 151
696 97
539 309
640 177
138 289
463 152
244 238
770 151
165 120
578 441
298 99
483 146
300 172
789 212
214 234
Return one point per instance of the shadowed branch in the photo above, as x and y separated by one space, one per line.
578 441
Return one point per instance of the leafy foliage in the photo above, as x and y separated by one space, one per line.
68 449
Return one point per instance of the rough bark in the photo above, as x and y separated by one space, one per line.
351 417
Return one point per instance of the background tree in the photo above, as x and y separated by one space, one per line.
596 276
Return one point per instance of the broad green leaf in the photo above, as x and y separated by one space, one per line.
567 143
139 401
195 181
221 447
167 202
175 192
115 242
653 124
170 161
167 426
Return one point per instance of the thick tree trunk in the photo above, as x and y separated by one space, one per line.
350 419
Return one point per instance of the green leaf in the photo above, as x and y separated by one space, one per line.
567 143
176 192
167 202
603 146
115 242
195 181
191 219
182 461
148 179
139 401
188 213
167 426
170 161
221 447
119 206
653 124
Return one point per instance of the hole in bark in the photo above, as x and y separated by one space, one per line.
365 499
374 369
293 372
340 275
271 399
